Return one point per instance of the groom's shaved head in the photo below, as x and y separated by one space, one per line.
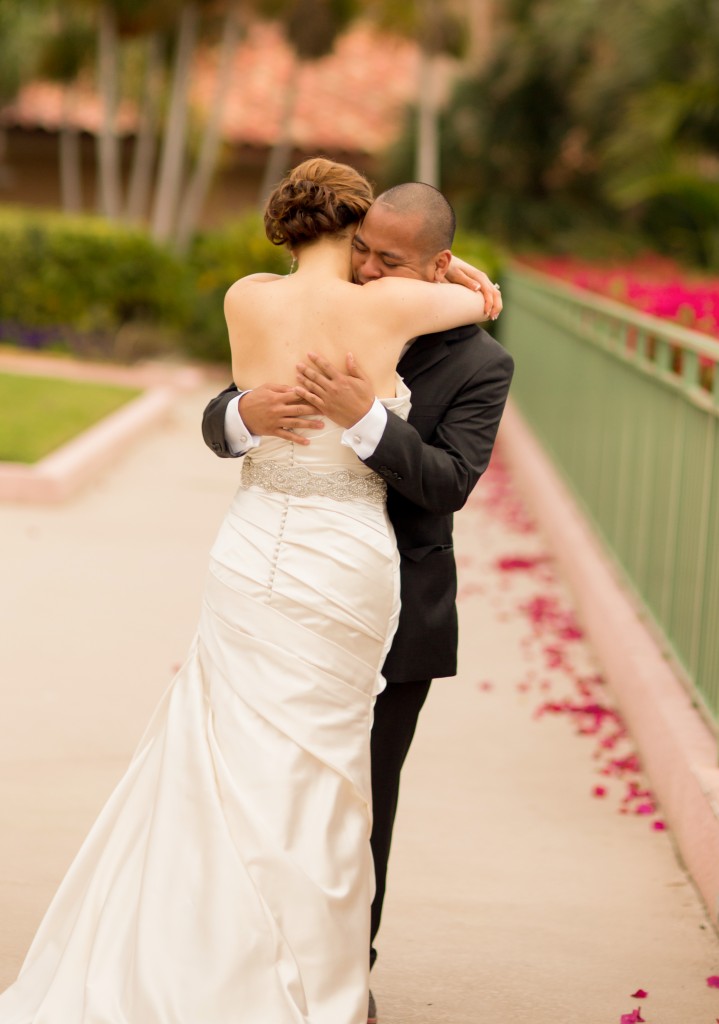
437 219
407 232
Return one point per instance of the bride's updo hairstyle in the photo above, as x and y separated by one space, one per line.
318 197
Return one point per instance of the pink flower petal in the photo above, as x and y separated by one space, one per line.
531 562
599 791
647 808
713 981
639 994
659 826
635 1017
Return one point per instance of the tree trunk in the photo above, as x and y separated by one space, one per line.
169 180
143 161
70 165
196 191
280 154
5 173
427 156
108 142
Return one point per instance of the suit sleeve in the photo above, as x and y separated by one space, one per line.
213 423
439 476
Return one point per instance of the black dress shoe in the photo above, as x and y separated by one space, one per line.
371 1010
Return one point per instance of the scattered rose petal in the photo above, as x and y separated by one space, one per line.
639 994
635 1017
713 981
553 652
571 632
659 826
485 685
510 564
647 808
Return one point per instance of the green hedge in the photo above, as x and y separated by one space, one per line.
96 289
481 252
216 259
76 282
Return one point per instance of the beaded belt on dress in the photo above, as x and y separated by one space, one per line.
341 485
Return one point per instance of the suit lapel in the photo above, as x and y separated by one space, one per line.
428 350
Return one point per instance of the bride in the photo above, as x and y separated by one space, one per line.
228 879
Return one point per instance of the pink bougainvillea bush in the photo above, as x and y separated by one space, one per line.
653 284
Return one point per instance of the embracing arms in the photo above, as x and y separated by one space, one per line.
233 418
436 460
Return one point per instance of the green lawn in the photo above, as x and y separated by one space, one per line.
38 414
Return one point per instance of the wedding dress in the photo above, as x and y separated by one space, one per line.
228 879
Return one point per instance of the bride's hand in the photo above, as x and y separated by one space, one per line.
461 272
344 397
273 410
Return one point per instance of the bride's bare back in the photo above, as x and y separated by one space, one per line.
274 323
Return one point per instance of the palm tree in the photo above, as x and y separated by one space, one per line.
312 27
67 46
169 179
108 143
144 153
441 30
199 183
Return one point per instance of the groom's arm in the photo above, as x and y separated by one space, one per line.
213 423
234 420
440 476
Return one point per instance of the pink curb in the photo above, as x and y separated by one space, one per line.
677 748
66 470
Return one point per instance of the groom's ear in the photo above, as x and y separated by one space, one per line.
441 264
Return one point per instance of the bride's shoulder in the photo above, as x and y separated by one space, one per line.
237 292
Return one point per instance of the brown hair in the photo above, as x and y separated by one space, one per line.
318 197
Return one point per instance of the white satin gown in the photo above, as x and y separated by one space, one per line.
228 879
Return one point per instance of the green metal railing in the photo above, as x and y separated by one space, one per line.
628 407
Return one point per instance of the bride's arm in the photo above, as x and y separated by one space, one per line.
461 272
410 308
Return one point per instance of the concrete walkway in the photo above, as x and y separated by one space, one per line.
518 890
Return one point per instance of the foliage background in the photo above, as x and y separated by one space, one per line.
593 128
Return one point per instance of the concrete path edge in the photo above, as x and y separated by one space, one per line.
65 471
677 748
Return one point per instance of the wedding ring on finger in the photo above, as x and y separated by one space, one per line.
498 287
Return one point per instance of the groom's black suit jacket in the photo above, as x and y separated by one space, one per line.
459 381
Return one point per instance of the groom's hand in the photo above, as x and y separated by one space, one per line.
461 272
345 397
274 410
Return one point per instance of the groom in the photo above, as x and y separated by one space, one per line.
459 381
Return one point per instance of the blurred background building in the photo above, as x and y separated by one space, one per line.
316 79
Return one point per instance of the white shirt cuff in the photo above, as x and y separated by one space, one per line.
364 436
239 439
